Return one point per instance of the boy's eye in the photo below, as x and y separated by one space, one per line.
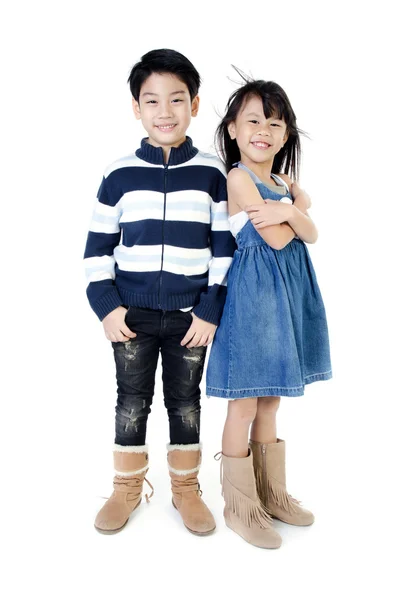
151 102
177 100
255 122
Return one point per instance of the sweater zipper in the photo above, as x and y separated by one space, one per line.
162 242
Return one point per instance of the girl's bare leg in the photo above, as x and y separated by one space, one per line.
264 428
240 415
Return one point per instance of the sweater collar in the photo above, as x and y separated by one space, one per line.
177 156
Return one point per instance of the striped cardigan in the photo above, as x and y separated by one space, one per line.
159 236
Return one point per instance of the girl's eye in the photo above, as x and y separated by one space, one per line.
255 122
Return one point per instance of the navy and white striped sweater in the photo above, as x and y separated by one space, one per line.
159 236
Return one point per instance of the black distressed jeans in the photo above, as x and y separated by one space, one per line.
136 362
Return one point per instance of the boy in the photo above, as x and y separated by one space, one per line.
157 256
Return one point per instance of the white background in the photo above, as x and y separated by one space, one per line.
65 115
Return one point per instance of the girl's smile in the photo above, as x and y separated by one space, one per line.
261 145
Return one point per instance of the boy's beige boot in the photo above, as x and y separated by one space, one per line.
183 465
130 465
269 466
243 511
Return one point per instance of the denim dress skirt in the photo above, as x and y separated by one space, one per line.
273 336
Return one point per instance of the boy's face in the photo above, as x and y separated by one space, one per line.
165 109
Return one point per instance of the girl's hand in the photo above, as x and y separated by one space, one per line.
115 328
200 333
302 200
271 212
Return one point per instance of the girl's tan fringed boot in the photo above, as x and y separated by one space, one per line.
183 464
243 511
269 466
130 465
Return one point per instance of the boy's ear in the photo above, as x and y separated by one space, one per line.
195 106
232 130
136 109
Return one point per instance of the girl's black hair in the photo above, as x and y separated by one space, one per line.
164 61
275 104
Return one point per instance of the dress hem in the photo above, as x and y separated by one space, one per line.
267 391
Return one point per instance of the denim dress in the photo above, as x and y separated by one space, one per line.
273 337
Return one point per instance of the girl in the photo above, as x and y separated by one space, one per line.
273 338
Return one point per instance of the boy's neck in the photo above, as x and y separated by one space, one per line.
166 149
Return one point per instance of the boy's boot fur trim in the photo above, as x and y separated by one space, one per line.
269 466
183 464
243 511
130 465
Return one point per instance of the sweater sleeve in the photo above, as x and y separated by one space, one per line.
222 244
103 236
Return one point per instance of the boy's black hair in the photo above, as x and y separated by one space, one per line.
164 61
275 104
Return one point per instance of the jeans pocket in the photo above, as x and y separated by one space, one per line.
130 313
187 314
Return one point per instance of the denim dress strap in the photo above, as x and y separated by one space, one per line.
278 180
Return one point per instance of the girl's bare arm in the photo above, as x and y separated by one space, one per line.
242 192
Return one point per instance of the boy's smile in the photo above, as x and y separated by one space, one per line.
166 128
165 109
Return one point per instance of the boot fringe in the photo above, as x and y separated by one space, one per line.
247 510
280 497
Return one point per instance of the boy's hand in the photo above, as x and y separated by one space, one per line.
302 200
115 328
271 212
200 333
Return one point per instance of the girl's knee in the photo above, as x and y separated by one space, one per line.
268 404
243 410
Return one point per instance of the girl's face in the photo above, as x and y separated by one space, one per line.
259 138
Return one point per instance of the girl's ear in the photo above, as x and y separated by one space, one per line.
285 138
136 109
232 130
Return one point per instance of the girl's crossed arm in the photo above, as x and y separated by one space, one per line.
300 221
273 212
242 193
